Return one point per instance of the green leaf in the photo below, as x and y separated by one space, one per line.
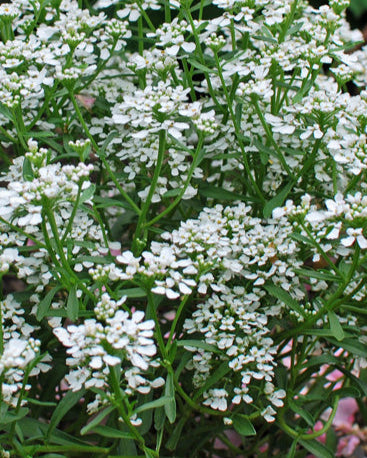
172 193
302 412
238 113
133 292
107 431
318 332
72 306
351 345
41 134
293 449
159 417
66 403
277 201
222 370
97 420
335 326
214 192
87 193
317 448
319 274
356 381
4 110
322 359
170 405
264 38
201 67
153 404
104 202
28 173
10 417
243 425
172 442
44 305
199 344
285 297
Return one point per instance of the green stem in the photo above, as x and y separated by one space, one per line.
64 262
103 159
188 75
15 228
7 135
140 236
72 216
289 21
175 321
308 436
157 329
44 106
202 60
146 17
320 250
119 403
237 130
140 35
184 187
270 137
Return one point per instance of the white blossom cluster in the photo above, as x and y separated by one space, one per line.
247 106
21 352
115 338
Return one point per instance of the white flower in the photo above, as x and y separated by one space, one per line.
355 234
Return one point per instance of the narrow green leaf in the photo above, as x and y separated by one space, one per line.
97 420
172 442
243 425
264 38
41 134
277 201
4 110
335 326
66 403
72 306
172 193
238 113
28 174
133 292
153 404
198 344
87 193
319 274
44 305
159 417
302 413
318 332
107 431
222 370
317 448
356 381
352 345
322 359
170 405
218 193
285 297
201 67
10 417
104 202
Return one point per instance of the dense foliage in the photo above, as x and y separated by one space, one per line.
183 214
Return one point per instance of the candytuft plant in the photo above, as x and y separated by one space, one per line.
183 214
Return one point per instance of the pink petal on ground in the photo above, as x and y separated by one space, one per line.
347 445
345 413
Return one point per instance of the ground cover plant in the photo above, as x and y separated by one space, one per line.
183 215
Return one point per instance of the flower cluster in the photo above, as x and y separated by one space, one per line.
183 205
114 338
